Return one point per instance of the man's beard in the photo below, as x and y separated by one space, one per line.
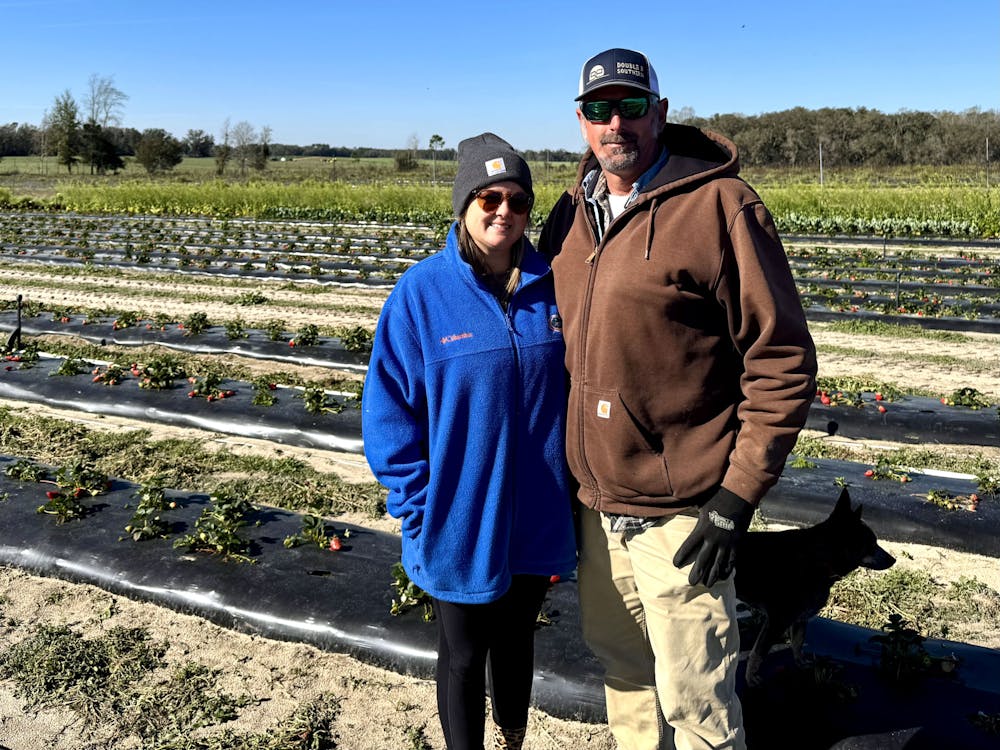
624 160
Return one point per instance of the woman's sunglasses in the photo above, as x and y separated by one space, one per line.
600 110
490 200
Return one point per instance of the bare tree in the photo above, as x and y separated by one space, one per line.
262 152
244 144
104 102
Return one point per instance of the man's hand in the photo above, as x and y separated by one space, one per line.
712 544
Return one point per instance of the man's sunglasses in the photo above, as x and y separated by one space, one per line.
490 200
600 110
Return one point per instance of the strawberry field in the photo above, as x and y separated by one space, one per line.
221 359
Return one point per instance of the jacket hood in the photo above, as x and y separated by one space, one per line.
695 155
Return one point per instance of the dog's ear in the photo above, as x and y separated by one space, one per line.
843 505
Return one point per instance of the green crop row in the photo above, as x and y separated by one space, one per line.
955 211
948 211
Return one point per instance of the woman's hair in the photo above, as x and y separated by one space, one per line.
476 258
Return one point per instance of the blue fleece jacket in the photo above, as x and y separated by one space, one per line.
463 422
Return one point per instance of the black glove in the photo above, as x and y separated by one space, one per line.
712 544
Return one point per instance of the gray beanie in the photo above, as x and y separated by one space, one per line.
483 160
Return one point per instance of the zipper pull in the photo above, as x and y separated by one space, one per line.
590 260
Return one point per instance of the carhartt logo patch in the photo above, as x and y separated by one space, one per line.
596 72
495 167
604 409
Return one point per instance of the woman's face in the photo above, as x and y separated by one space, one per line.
495 232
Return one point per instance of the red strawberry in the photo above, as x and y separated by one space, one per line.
825 400
870 473
335 544
554 579
878 396
881 409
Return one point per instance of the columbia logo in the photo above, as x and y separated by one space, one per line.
455 337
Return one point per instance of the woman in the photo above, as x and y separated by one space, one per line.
463 423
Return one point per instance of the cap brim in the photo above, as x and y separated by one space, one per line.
608 84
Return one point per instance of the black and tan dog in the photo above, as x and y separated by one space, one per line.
787 575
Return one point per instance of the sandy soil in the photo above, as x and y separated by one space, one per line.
380 710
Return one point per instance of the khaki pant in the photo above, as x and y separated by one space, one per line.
669 650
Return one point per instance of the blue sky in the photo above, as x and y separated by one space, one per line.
378 73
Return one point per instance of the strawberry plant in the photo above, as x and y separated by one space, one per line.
951 501
252 298
884 469
410 595
356 338
902 651
235 329
195 324
308 336
62 314
969 397
275 330
986 721
263 393
159 373
26 471
26 356
207 387
217 529
801 462
70 366
126 319
113 374
317 401
146 522
64 503
314 532
82 478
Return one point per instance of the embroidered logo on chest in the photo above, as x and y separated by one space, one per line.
452 337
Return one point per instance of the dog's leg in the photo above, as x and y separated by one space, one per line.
797 639
756 656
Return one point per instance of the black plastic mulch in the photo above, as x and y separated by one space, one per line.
341 601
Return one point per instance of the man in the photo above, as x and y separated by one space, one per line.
692 371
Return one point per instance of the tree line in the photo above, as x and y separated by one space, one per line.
859 137
89 134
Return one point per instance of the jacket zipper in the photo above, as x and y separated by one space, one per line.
582 357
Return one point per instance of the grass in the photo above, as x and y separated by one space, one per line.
893 331
978 464
969 364
120 680
869 599
187 465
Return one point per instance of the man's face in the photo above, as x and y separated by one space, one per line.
624 148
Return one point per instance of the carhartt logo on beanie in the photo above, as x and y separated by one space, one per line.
483 160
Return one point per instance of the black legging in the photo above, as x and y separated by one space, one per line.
503 630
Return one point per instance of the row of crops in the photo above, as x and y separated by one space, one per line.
922 280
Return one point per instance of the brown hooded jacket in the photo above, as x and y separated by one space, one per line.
690 361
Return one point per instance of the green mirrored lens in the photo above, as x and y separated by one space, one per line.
597 111
630 109
633 109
